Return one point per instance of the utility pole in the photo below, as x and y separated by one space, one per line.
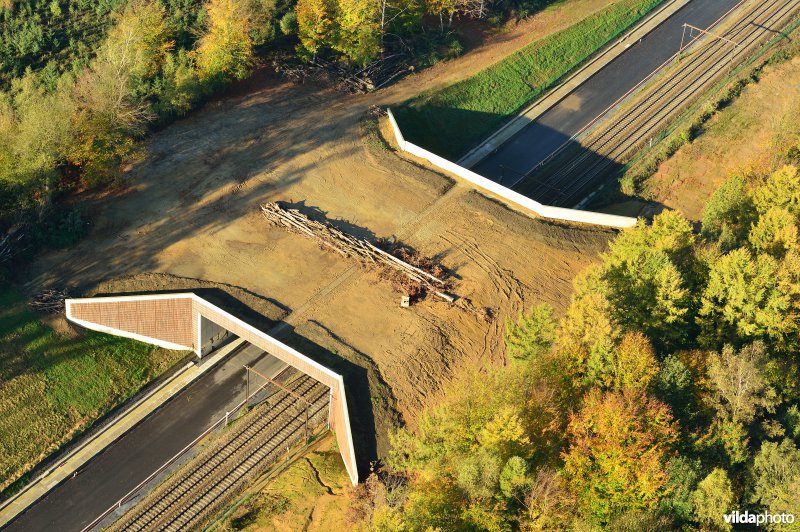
247 387
683 36
715 35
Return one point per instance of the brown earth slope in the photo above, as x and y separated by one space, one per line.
748 137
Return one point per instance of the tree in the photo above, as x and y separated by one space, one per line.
676 384
505 434
473 447
478 473
399 18
358 35
139 42
315 25
619 445
288 23
225 50
729 213
448 8
110 96
594 354
549 502
515 482
740 389
108 119
781 189
743 301
532 335
638 520
35 128
647 273
635 363
178 88
262 21
775 477
739 393
775 233
712 499
684 474
587 338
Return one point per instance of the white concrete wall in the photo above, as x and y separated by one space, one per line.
526 203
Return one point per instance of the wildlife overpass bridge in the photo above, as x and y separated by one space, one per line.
187 321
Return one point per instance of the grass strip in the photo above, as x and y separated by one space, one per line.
452 119
53 387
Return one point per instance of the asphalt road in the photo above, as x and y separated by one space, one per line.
522 152
109 476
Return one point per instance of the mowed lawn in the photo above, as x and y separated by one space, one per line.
451 120
52 386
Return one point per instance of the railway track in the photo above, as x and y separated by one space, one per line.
567 178
196 491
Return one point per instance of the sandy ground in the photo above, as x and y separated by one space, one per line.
191 210
749 136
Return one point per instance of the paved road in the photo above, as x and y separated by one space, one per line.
540 138
78 501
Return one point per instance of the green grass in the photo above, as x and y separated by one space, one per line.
52 387
451 120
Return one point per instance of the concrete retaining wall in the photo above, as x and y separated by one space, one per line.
516 199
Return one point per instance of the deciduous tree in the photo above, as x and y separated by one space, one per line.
358 31
781 189
737 377
647 272
225 50
619 445
139 42
743 301
775 477
635 363
729 213
712 499
315 25
740 393
775 233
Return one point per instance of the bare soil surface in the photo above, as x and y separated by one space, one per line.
191 210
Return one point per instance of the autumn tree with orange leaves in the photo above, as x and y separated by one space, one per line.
620 443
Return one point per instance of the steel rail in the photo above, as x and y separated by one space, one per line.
644 119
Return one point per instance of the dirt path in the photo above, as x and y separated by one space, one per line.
192 210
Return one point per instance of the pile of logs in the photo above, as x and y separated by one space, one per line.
395 261
49 301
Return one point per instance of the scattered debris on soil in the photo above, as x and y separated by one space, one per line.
407 270
9 243
49 301
371 77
